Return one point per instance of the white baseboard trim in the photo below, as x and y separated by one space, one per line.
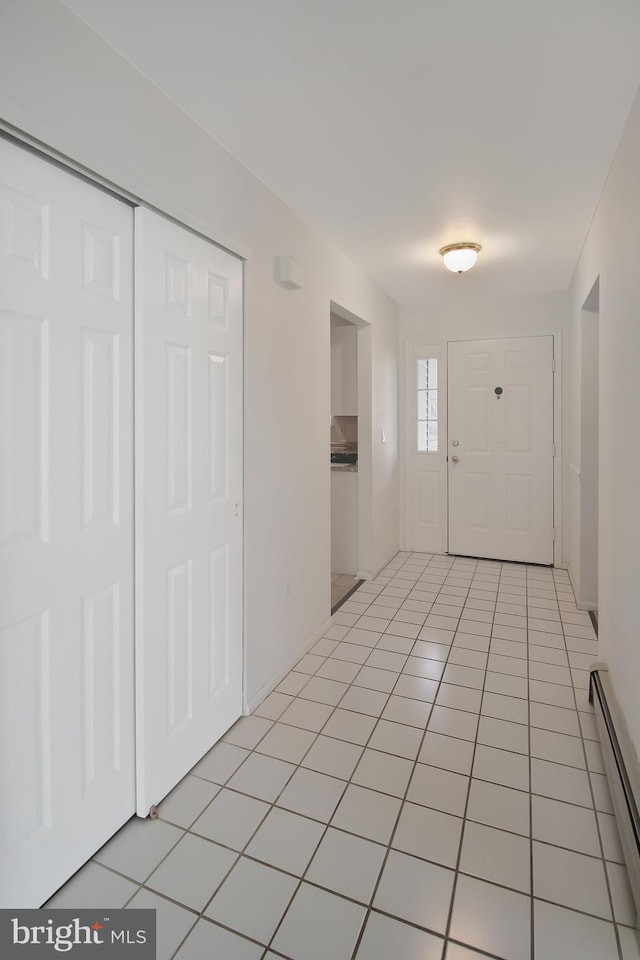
587 605
378 570
271 684
622 770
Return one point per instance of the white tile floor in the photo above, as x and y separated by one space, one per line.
426 784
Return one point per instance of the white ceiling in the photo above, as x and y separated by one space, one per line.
396 126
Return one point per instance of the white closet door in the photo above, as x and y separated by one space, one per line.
66 524
188 492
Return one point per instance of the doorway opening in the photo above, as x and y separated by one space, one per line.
350 453
589 444
344 459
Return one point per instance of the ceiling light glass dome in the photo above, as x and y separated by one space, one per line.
459 257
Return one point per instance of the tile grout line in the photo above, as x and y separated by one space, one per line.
409 781
532 917
272 804
163 896
465 820
328 822
400 810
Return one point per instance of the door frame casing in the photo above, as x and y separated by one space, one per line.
365 567
587 474
438 351
440 348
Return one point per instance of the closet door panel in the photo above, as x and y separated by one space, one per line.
189 498
66 523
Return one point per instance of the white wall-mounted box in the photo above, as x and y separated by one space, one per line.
289 273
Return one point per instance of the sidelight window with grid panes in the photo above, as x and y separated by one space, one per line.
427 420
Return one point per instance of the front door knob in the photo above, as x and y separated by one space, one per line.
455 459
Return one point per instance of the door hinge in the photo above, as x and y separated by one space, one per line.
553 449
553 365
553 533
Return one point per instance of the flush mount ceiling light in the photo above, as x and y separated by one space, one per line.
459 257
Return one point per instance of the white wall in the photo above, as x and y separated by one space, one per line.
463 317
66 88
610 253
344 370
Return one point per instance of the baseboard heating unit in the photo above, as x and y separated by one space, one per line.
623 773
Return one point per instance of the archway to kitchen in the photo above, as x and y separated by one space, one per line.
351 453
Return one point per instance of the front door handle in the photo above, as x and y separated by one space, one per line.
455 459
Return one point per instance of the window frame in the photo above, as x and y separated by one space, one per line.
436 360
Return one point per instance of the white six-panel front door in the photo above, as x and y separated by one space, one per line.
500 449
189 488
66 524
